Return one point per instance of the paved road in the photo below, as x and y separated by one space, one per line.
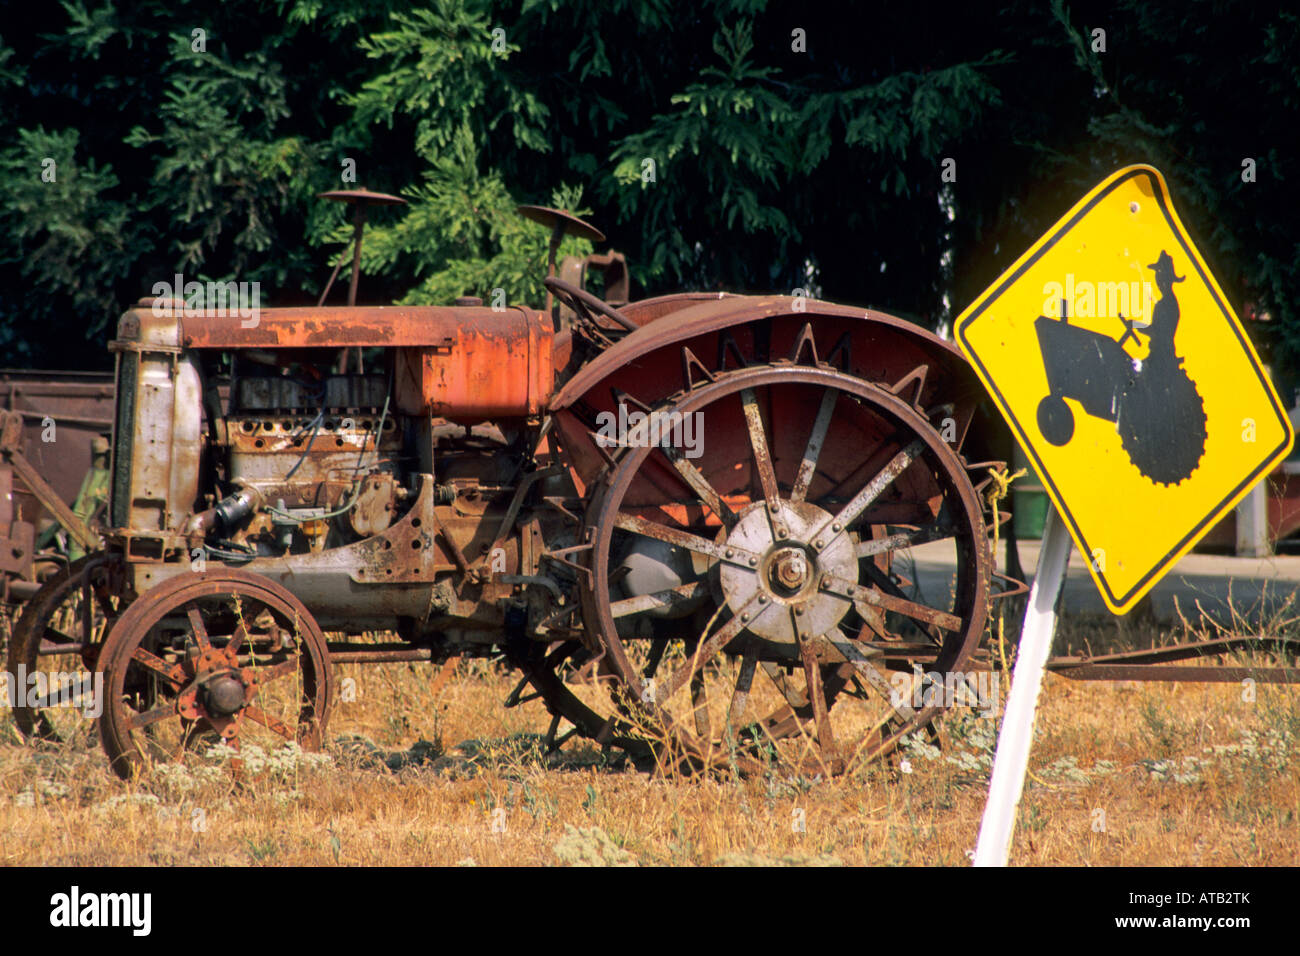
1257 587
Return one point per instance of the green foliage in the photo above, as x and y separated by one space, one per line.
462 236
774 167
737 136
221 172
743 147
62 226
439 70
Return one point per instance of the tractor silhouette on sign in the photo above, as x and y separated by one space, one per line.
1153 402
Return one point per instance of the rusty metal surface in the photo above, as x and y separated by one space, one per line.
553 218
1151 664
17 537
1181 673
11 430
363 196
331 328
307 466
645 311
473 371
390 654
373 511
1176 652
717 313
612 266
79 405
693 342
158 432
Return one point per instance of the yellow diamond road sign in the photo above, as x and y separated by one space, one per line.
1129 381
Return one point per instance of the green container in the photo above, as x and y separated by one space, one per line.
1028 500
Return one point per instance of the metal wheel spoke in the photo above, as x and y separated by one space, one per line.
700 704
793 695
876 598
255 713
829 604
658 599
813 672
869 493
758 442
740 695
149 717
917 612
884 582
172 673
873 624
905 539
869 673
684 539
781 723
237 639
196 625
700 485
886 586
808 467
787 719
182 609
704 652
264 674
62 638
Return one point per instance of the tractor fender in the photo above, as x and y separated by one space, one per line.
688 339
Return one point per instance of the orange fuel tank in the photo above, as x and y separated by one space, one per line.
490 365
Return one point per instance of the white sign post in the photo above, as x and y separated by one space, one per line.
1012 758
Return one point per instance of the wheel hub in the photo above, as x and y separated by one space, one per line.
783 583
223 695
788 571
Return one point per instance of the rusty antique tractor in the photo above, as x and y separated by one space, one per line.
685 520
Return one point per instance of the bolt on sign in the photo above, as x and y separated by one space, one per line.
1128 379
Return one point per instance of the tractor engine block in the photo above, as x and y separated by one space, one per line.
323 456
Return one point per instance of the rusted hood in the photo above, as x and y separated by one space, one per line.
326 327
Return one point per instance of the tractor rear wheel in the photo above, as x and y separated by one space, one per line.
747 591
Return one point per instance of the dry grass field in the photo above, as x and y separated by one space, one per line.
1121 775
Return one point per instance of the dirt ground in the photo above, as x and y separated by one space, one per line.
1121 774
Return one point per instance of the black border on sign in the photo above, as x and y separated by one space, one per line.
1021 434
